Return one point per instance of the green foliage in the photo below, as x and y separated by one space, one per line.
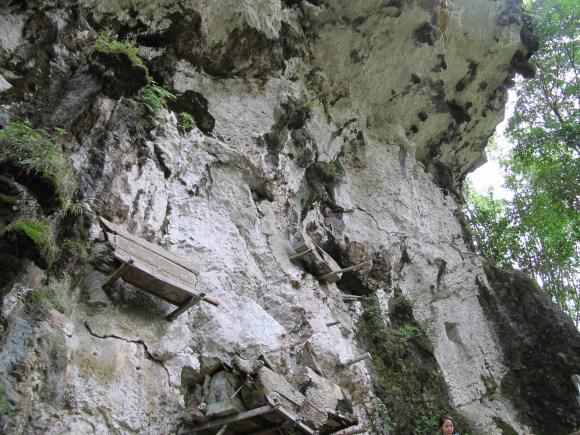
491 228
382 411
410 391
5 406
33 152
407 332
186 122
108 43
155 97
539 230
55 296
40 232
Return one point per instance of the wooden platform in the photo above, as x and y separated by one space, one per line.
324 266
153 269
264 420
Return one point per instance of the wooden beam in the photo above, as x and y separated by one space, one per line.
194 300
350 431
115 275
346 269
267 362
317 367
219 422
154 272
295 420
301 254
357 359
116 229
351 297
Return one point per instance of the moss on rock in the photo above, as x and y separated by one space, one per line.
407 379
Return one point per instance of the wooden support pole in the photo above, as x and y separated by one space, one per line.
219 422
351 431
317 367
115 276
186 306
346 269
301 254
222 431
267 362
237 391
357 359
211 301
351 297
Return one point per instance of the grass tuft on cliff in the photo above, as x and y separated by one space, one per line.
34 156
40 232
107 43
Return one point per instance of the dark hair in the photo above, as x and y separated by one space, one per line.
443 419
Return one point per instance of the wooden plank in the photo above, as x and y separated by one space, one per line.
193 301
116 229
115 275
301 254
352 297
341 271
161 263
357 359
295 420
351 431
317 367
152 280
219 422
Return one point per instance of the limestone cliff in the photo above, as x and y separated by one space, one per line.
353 122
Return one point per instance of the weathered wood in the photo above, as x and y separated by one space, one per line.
317 367
351 431
351 297
116 229
315 256
151 279
301 254
169 267
237 392
186 306
267 362
219 422
115 275
357 359
346 269
153 269
280 410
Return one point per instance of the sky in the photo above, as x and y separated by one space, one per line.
490 174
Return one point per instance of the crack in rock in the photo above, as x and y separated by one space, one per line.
140 342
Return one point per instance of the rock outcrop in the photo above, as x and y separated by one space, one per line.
220 131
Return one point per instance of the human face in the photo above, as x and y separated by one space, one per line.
447 428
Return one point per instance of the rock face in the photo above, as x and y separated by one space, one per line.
351 121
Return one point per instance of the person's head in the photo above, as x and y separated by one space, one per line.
446 425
